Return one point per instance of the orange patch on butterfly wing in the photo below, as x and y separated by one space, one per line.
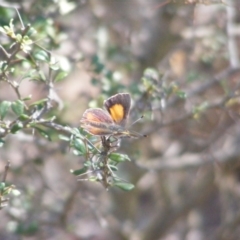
96 115
117 112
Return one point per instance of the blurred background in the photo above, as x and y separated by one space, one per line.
179 60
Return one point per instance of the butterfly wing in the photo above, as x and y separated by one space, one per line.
118 107
96 121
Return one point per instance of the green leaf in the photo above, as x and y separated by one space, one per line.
92 179
181 94
87 164
2 185
3 65
42 56
30 229
43 133
20 57
123 185
76 152
16 192
79 145
79 171
32 74
4 107
75 131
2 30
117 157
18 37
18 107
42 76
61 75
150 75
23 117
8 189
16 127
29 97
1 142
54 66
64 138
40 103
32 31
27 40
113 168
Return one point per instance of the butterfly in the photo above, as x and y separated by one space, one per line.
111 122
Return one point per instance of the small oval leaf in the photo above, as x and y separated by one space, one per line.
2 185
24 117
39 103
16 127
4 107
123 185
79 171
1 142
79 145
43 133
61 75
64 138
18 107
42 56
117 157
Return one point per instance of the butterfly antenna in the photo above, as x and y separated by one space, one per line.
137 120
141 135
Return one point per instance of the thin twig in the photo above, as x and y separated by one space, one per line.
7 166
20 18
